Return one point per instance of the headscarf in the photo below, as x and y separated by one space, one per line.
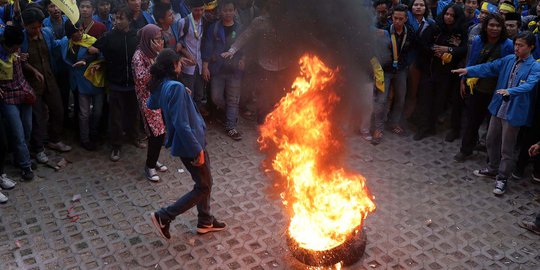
146 34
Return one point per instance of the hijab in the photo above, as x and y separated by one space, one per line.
146 35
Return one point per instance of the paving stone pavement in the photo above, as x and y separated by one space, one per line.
432 213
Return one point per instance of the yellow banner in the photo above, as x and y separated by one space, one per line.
69 7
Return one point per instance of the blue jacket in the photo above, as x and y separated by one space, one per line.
76 75
52 44
507 47
520 109
185 125
148 17
108 22
215 44
536 52
47 23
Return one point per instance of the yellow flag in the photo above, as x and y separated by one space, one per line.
69 7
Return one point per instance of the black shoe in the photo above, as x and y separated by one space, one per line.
89 146
234 134
216 226
27 174
460 157
529 225
451 136
162 227
500 187
33 165
536 177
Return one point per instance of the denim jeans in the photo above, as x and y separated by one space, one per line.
19 119
399 81
199 196
226 89
90 108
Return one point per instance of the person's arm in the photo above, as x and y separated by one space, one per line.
490 69
530 83
253 29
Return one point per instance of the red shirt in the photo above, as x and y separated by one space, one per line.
95 29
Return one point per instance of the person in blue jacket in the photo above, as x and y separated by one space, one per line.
186 139
491 44
510 107
140 17
73 48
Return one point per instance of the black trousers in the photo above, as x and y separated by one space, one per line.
123 116
433 93
475 112
47 119
154 147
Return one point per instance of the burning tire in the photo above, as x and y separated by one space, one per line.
349 252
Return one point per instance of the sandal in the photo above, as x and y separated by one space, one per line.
160 167
398 131
377 137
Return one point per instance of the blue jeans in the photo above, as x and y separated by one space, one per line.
399 80
90 108
19 119
199 196
226 89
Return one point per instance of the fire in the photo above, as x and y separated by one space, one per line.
326 202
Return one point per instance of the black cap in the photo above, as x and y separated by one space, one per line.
196 3
512 17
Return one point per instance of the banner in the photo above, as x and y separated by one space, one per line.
69 7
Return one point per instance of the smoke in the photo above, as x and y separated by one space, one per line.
341 32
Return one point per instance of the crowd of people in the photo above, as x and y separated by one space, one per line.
469 61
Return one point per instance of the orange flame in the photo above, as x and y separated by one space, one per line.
327 202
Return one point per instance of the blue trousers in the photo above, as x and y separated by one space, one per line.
226 89
19 120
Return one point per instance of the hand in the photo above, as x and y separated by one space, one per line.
178 47
227 55
439 50
242 65
94 69
186 61
39 76
460 71
24 56
79 64
206 74
462 89
93 50
199 160
503 92
534 150
189 91
157 46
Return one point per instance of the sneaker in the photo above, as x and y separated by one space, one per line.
529 225
500 187
139 144
160 167
460 157
216 226
151 174
485 172
536 177
89 146
364 133
27 174
59 146
42 158
3 198
6 183
451 136
234 134
162 227
517 175
115 155
377 137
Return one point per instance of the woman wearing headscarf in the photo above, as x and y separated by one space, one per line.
150 44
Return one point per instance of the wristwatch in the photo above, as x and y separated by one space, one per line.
450 50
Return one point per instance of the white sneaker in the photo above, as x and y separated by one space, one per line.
151 174
42 158
59 146
161 167
3 198
6 183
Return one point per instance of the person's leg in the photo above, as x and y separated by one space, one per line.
39 125
400 91
232 94
198 88
217 92
95 118
424 108
154 147
188 81
198 195
509 150
85 102
132 115
3 144
475 112
412 91
17 117
493 143
115 119
367 107
380 108
56 114
537 220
